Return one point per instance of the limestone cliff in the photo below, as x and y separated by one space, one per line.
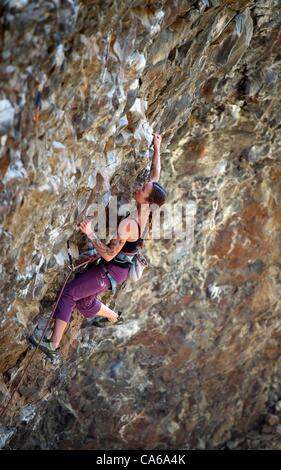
197 362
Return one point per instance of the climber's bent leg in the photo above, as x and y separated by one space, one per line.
58 331
91 306
82 288
108 313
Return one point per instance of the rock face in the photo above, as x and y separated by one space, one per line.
197 362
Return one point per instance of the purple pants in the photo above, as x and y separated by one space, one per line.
81 292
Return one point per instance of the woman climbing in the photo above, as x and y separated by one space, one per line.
81 292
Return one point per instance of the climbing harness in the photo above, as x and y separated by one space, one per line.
113 282
124 257
72 269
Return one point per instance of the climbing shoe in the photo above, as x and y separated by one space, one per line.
101 322
46 346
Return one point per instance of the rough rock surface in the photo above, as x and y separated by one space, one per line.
196 365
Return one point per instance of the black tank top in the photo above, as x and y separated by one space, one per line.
131 247
128 247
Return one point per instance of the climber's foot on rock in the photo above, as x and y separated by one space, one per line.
101 322
46 346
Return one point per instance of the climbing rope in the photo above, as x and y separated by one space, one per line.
36 119
72 269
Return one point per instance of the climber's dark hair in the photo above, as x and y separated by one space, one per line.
157 195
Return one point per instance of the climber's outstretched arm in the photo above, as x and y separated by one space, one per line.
112 249
156 165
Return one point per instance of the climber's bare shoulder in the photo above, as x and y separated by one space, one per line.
128 229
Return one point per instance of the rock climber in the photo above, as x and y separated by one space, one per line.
81 292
